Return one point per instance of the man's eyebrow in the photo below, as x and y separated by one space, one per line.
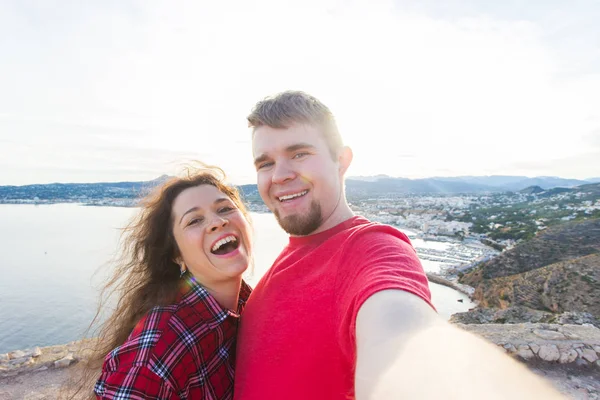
289 149
260 159
299 146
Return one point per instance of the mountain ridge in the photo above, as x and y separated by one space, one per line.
359 186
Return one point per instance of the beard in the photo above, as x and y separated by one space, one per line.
302 225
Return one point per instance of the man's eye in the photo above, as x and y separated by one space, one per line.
300 155
265 165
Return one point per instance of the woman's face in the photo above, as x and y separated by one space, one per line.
212 234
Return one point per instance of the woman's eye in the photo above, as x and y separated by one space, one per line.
226 209
194 221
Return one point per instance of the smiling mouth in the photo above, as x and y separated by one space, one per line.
225 246
293 196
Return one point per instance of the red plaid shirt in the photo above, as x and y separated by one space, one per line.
181 351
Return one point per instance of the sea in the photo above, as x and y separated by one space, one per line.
55 258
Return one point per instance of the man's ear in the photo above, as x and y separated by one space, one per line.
345 159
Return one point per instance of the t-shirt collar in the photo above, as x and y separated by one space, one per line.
322 236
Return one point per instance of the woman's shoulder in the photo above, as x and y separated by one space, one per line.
142 340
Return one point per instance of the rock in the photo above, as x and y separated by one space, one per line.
16 354
3 357
590 355
64 362
21 361
510 348
568 356
35 352
578 345
549 352
570 335
42 368
510 315
580 362
476 316
597 349
576 318
525 352
548 335
579 351
520 314
534 347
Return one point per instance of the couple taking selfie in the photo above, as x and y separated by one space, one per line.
344 312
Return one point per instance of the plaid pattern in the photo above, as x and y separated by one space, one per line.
181 351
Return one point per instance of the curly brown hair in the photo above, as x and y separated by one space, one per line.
146 274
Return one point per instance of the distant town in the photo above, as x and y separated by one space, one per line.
499 211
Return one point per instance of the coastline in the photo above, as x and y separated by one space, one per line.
37 359
444 281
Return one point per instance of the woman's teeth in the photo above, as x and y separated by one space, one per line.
222 242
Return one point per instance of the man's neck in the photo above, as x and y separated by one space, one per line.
341 214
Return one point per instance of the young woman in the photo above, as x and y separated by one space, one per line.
172 335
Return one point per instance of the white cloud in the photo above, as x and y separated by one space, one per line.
462 92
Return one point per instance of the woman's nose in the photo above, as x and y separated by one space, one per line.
216 223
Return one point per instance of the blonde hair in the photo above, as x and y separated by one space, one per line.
284 109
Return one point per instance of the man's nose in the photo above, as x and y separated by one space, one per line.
282 172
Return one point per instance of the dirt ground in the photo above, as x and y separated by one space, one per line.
34 385
575 382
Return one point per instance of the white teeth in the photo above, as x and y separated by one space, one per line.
292 196
223 241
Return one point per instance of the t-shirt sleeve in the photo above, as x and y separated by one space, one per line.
381 258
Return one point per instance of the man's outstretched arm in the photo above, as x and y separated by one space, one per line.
405 350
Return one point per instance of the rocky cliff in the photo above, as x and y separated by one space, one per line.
557 271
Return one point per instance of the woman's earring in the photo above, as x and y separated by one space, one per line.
182 270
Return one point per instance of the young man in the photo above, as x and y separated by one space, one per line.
345 311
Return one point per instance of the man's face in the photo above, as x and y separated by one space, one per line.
297 178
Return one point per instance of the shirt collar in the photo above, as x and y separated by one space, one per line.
192 292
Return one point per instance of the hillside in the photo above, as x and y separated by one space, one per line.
572 285
531 190
558 270
557 243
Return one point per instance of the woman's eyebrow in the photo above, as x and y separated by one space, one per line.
189 211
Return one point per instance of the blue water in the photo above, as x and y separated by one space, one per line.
53 259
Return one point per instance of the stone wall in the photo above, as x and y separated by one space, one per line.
531 343
548 343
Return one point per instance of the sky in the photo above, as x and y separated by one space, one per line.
130 90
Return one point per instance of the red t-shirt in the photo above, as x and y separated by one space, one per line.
296 337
